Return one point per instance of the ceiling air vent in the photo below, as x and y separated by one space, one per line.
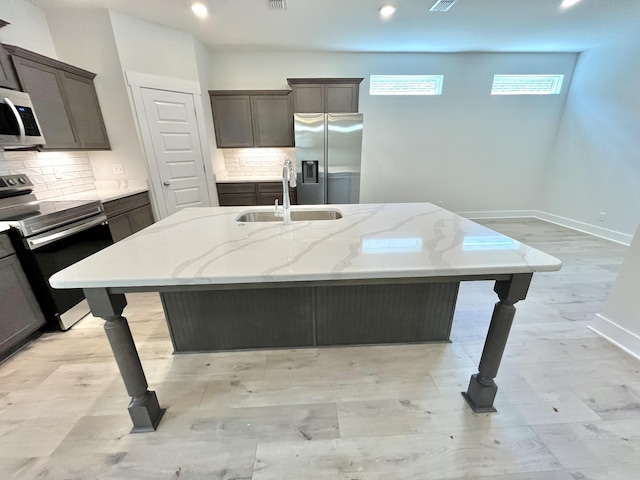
442 5
277 4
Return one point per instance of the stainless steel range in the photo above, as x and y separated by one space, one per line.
49 236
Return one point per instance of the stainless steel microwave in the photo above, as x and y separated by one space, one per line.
19 125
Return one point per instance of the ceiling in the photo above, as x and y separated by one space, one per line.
355 26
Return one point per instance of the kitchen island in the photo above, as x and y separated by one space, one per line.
382 273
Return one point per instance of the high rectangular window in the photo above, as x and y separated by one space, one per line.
405 85
526 84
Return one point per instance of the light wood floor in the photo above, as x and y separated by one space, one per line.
568 403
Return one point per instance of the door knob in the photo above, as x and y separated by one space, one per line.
167 183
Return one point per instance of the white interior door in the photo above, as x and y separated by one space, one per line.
173 130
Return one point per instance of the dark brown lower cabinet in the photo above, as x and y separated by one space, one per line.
252 193
20 314
231 194
128 215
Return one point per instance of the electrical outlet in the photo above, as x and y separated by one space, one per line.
602 216
118 168
57 171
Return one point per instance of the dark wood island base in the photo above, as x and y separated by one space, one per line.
144 408
309 314
285 315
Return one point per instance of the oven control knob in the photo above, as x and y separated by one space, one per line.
22 180
11 181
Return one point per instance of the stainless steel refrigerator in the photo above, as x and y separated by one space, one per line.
328 154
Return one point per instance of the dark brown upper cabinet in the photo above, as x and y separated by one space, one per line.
8 78
252 118
64 99
325 95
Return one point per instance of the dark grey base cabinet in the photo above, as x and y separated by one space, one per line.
20 315
322 315
128 215
64 99
252 118
252 193
325 95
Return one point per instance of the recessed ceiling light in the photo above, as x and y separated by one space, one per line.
568 3
387 11
200 9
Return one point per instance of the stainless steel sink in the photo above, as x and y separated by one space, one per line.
296 216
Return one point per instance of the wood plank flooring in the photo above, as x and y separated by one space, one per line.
568 402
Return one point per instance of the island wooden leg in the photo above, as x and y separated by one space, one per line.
482 388
144 409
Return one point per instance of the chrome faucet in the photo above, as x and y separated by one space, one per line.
288 178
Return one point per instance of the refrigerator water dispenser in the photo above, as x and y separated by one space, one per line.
310 171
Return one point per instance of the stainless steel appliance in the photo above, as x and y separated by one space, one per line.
328 155
19 125
49 236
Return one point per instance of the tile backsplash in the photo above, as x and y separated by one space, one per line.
52 173
256 162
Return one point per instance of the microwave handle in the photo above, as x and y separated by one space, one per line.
17 115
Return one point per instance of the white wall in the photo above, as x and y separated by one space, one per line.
595 165
28 27
148 47
84 38
472 151
595 168
203 63
620 317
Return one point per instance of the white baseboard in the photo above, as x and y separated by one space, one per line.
498 214
605 233
612 235
619 336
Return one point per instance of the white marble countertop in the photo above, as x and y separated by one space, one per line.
223 178
102 194
108 190
208 246
105 192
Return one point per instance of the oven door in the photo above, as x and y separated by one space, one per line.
48 253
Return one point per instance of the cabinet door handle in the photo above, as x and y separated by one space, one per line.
167 183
